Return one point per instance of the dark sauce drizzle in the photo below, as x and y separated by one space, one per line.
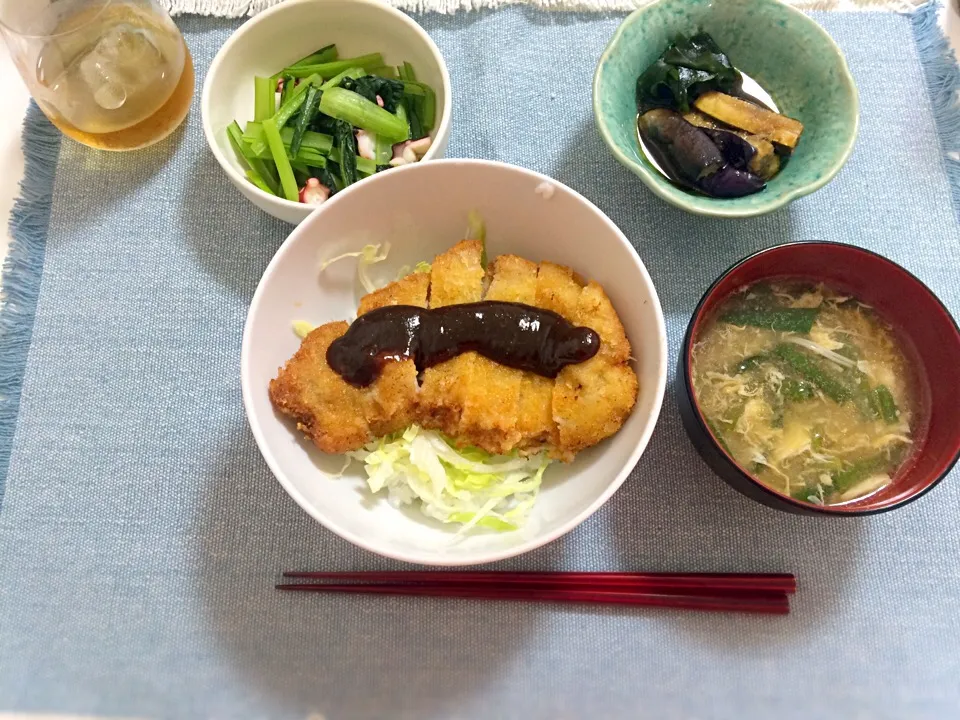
512 334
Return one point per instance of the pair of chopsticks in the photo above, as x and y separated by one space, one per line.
766 593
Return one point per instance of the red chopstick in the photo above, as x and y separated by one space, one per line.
772 582
720 592
772 604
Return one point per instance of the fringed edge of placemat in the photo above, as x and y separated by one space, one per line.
939 63
240 8
23 269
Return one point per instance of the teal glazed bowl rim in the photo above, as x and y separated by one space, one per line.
663 188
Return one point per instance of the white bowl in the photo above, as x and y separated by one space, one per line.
422 211
289 31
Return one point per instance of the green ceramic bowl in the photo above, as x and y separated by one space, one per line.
791 57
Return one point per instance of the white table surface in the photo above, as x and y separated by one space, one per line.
15 103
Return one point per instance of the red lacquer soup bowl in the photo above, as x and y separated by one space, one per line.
927 332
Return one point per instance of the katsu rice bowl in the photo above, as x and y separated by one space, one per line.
454 363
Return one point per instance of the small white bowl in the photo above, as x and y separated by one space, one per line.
289 31
421 210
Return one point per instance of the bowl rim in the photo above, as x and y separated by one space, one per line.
685 348
270 457
442 127
654 180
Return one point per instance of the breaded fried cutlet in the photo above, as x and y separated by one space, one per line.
323 405
456 277
591 400
557 290
491 393
391 401
474 400
410 290
337 416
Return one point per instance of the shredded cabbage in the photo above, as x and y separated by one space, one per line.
465 486
420 267
302 328
477 230
476 227
370 255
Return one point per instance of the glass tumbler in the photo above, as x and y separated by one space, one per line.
111 74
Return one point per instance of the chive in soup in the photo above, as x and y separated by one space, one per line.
808 390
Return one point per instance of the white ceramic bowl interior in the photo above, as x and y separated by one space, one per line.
289 31
422 211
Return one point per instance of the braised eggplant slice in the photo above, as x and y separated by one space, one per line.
750 117
735 150
683 150
712 161
765 161
729 182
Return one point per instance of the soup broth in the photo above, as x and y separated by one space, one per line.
808 390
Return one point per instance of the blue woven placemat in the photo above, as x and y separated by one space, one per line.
140 532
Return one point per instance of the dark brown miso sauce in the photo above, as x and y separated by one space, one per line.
512 334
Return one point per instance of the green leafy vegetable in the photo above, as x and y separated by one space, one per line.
346 142
885 403
264 97
370 86
332 170
845 479
428 110
288 87
307 113
781 319
811 371
301 171
324 124
337 80
257 180
365 166
387 71
687 68
406 72
326 54
413 117
328 178
382 151
292 106
262 176
313 140
798 390
750 363
287 181
329 69
719 436
358 111
402 116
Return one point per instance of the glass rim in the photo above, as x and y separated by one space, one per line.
6 27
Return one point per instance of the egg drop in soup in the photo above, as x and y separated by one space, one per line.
807 389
